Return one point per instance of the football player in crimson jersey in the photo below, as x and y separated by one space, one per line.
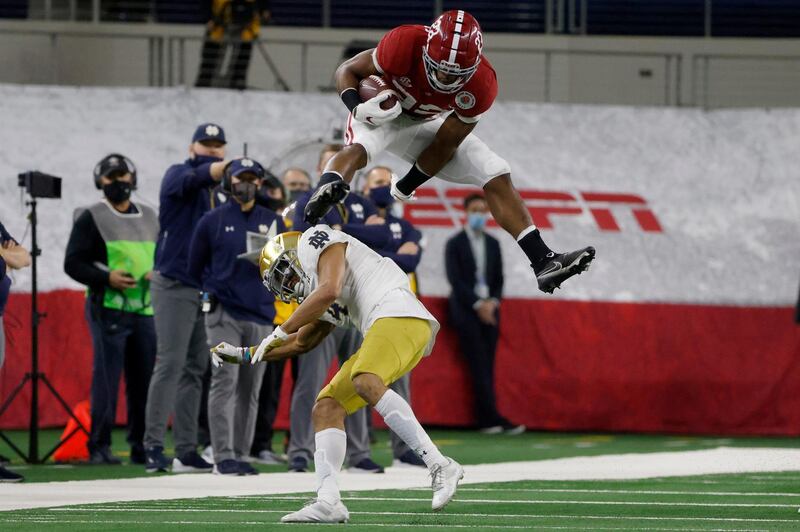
444 84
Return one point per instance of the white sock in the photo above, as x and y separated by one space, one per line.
399 417
531 228
328 460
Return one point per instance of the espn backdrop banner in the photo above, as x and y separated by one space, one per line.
684 321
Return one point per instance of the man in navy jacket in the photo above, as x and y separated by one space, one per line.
182 355
475 270
243 311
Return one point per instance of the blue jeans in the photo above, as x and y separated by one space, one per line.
121 340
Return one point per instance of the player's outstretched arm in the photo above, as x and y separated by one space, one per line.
307 338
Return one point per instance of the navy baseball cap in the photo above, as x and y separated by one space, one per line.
243 165
209 131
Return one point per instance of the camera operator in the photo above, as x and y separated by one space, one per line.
241 311
12 256
187 192
111 250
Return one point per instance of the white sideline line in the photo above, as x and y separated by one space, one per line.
536 501
417 525
604 467
642 492
421 514
393 525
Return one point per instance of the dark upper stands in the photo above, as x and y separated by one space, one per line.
747 18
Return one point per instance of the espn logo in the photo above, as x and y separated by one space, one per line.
545 206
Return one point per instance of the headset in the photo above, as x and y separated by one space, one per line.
98 169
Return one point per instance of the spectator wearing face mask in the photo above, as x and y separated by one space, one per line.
187 192
475 270
242 311
297 182
110 250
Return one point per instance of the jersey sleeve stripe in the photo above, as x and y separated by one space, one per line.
468 119
375 61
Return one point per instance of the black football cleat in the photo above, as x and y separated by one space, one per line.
558 267
323 198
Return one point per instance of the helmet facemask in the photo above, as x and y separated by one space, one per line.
460 75
286 279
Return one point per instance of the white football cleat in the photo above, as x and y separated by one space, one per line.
395 192
444 481
318 511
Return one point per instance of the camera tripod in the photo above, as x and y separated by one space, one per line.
35 376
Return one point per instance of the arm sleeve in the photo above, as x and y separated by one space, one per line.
5 236
394 52
181 180
464 294
375 236
84 248
199 252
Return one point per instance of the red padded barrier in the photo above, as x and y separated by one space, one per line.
561 365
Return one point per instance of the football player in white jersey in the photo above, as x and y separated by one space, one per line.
338 280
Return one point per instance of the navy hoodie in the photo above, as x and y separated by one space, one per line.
186 194
220 236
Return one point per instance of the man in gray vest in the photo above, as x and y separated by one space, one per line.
110 250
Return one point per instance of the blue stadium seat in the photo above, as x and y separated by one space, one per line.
14 9
755 18
645 17
504 16
380 13
296 12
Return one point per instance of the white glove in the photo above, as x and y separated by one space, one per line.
276 338
370 112
231 354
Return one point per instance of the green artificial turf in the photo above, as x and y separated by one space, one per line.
765 501
468 447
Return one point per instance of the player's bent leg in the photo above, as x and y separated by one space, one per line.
347 161
331 445
391 348
509 210
507 206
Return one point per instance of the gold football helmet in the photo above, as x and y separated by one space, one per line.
280 268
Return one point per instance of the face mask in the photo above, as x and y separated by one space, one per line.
244 192
205 159
476 221
117 191
263 199
295 195
381 196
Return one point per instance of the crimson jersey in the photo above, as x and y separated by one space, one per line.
399 58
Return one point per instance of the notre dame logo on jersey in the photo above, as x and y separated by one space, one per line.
318 239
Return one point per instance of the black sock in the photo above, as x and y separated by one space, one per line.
329 177
534 247
412 180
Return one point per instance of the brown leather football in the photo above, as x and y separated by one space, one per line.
372 86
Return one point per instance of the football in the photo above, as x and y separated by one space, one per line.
374 85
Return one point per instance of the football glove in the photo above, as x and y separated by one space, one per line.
276 338
225 352
370 112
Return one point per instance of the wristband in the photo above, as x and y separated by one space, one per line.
280 333
350 98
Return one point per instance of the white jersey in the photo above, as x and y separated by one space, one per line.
374 286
